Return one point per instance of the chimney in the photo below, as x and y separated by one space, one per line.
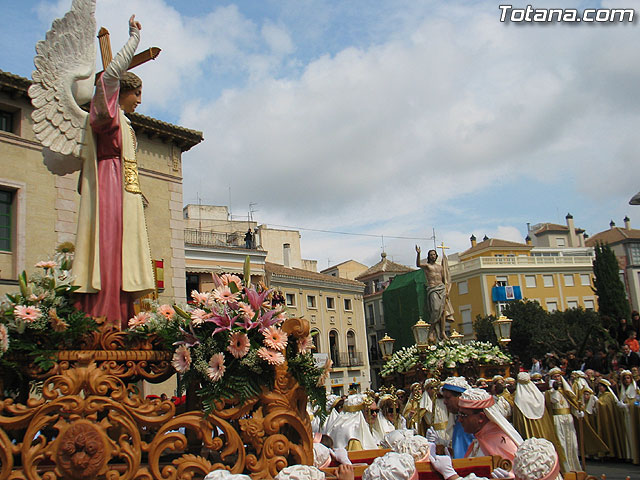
528 240
485 238
627 223
473 241
286 254
573 240
612 224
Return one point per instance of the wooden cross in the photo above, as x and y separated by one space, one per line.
443 248
105 52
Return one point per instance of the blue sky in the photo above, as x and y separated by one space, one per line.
389 118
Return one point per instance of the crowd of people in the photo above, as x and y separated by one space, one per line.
544 422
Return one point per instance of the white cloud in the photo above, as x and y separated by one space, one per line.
442 102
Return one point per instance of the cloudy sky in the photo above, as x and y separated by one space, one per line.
384 120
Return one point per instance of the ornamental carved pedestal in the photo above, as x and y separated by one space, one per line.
91 423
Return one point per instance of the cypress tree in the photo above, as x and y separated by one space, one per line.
612 297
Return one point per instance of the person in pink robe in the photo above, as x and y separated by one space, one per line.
493 434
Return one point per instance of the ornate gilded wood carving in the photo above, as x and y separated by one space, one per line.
90 423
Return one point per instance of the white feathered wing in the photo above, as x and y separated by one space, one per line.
64 79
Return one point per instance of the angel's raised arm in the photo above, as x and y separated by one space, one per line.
120 64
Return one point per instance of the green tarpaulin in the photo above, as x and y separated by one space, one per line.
404 302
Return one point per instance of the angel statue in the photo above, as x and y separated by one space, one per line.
112 264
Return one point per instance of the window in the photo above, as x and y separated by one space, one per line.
552 307
291 299
315 336
467 324
311 301
530 281
585 279
548 280
588 305
634 253
463 287
331 303
572 304
6 201
347 304
568 280
500 306
371 317
560 242
502 281
6 121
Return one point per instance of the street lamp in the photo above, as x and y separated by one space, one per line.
421 334
386 346
456 337
502 328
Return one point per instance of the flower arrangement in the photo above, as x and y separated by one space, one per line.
445 354
227 342
40 319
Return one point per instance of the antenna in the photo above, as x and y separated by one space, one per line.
230 214
434 238
382 238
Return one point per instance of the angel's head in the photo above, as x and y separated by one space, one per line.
130 92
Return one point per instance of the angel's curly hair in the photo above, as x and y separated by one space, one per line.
130 81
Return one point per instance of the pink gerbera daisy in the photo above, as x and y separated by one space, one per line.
166 311
271 356
198 316
27 313
201 298
46 264
139 320
305 344
238 344
246 310
228 278
181 359
223 295
275 338
216 367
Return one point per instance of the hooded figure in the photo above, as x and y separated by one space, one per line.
530 417
351 430
563 406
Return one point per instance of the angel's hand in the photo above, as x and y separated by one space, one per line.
134 24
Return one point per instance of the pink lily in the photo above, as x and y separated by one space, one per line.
224 322
267 320
256 299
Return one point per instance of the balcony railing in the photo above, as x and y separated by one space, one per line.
212 239
481 262
344 359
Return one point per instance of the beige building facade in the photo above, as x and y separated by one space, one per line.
40 200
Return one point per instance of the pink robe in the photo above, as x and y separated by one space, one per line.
110 300
493 441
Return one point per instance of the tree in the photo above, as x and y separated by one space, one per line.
535 332
612 297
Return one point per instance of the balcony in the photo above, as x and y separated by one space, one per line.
510 262
203 238
344 359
